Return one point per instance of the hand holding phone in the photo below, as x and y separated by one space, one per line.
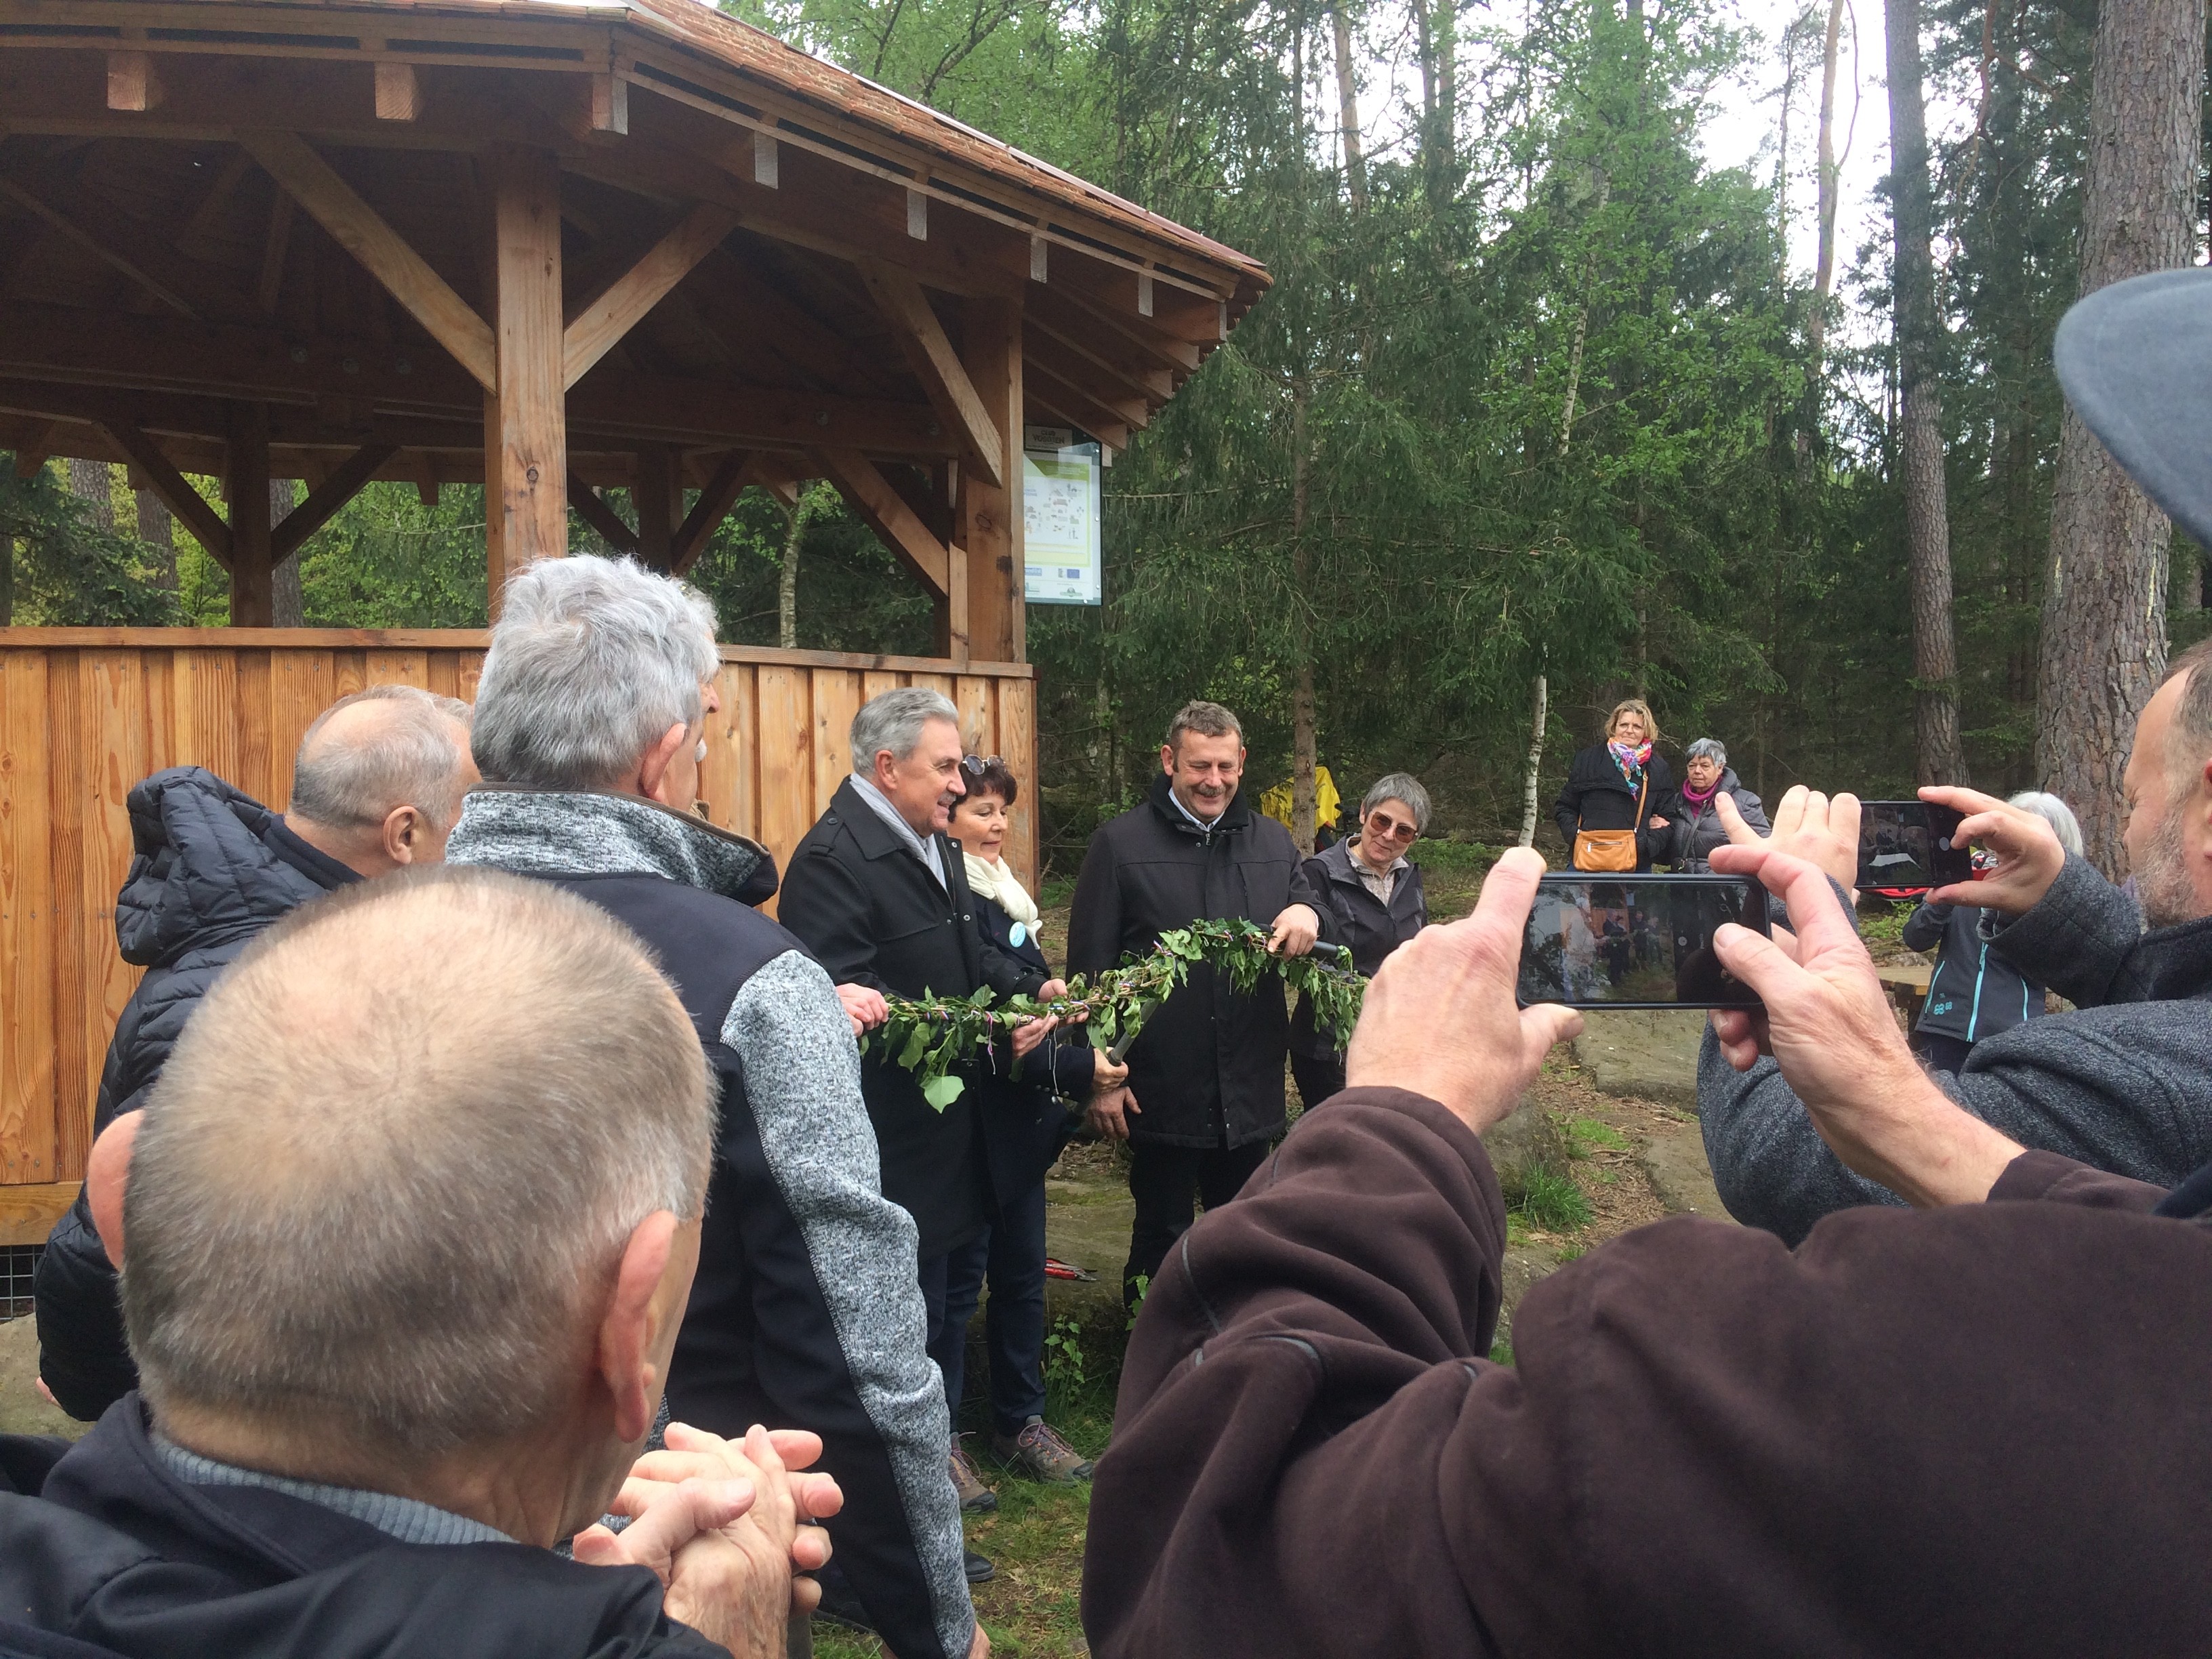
1911 845
2028 857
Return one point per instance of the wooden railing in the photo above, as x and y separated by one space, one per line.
85 712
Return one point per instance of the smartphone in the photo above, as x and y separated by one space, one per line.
1909 846
1635 941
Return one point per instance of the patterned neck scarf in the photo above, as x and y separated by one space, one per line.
1632 761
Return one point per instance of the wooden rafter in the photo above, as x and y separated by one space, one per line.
360 230
709 511
185 504
105 248
605 319
592 508
324 500
929 353
31 452
884 511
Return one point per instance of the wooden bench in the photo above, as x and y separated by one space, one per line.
1906 983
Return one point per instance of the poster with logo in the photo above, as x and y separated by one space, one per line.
1060 517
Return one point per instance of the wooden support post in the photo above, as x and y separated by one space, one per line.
526 432
592 508
399 93
133 83
989 526
659 496
186 505
252 599
884 511
709 510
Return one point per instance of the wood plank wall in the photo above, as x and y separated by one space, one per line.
87 712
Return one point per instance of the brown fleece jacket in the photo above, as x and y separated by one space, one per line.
1976 1431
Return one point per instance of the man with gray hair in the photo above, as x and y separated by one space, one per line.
591 717
880 895
376 786
406 1232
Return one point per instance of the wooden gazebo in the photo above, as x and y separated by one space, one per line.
552 245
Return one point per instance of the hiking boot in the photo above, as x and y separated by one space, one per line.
976 1498
1038 1452
979 1570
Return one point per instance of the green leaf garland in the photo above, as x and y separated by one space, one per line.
930 1036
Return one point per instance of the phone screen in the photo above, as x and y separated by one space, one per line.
1907 846
1641 942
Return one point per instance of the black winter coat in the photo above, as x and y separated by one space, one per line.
1596 797
117 1552
1208 1070
1370 930
210 868
1024 1125
872 914
1692 832
1973 993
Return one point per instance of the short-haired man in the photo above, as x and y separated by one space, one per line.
1980 1428
880 895
376 786
406 1233
1205 1095
591 717
2124 1082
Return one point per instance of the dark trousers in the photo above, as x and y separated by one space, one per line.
1011 1258
1163 1180
1942 1054
1317 1079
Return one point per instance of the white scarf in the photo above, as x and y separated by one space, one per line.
994 880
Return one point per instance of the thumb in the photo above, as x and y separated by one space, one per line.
1739 833
1543 1027
1756 960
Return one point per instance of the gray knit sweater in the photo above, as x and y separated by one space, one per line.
2124 1083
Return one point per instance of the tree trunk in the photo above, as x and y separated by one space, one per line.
2104 596
1303 745
786 579
92 483
158 531
7 582
1347 99
1938 757
1823 270
287 605
1535 765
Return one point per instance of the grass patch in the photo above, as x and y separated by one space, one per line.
1457 857
1501 1351
1881 922
1587 1134
1552 1201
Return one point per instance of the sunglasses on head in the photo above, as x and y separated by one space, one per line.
1383 827
976 765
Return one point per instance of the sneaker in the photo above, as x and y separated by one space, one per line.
979 1570
1039 1453
976 1498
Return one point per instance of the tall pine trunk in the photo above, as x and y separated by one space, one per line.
287 604
1347 99
92 483
158 531
1824 269
2103 649
1304 739
1938 755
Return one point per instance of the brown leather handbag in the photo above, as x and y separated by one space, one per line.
1610 851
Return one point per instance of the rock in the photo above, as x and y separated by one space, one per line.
1650 1053
1525 1140
22 1410
1680 1174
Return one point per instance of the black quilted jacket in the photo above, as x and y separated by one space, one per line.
210 868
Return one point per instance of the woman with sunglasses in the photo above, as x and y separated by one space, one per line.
1375 892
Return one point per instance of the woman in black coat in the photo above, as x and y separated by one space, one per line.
1621 785
1023 1124
1373 890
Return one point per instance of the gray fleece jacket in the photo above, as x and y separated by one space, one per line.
807 1311
2124 1083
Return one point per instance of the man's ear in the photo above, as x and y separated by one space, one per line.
106 1172
403 832
634 1319
1167 759
653 770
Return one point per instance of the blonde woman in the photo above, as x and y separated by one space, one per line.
1611 811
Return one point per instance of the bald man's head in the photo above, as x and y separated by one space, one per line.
377 780
394 1160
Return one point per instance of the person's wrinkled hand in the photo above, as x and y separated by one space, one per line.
1440 1018
979 1645
1109 1112
1829 1027
1106 1076
1657 823
724 1572
1822 829
865 1006
1028 1033
2026 849
1294 930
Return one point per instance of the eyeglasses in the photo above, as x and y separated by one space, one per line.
1383 827
976 765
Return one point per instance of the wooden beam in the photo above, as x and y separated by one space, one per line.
989 526
398 92
31 454
133 83
707 512
606 318
324 500
609 105
885 512
593 508
657 495
253 597
270 283
186 505
525 431
357 228
938 367
102 247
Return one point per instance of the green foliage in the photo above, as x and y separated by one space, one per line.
1547 1199
932 1035
1585 1134
59 568
1064 1367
